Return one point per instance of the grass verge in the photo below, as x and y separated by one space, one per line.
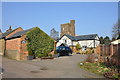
96 68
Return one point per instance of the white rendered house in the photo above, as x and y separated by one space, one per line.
88 41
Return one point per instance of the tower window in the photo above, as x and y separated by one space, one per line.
63 28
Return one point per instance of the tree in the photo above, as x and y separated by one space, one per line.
106 40
116 30
101 40
38 42
118 37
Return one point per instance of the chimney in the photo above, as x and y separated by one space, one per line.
10 28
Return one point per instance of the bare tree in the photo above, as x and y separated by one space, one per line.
116 30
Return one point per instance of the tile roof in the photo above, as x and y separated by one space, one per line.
18 34
3 35
82 37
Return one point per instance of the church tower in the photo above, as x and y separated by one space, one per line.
68 28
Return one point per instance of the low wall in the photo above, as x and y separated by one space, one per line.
13 54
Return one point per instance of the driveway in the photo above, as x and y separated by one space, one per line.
63 67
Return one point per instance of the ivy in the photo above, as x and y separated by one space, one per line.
39 42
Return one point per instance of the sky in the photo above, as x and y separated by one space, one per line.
90 17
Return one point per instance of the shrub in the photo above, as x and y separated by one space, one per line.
55 52
91 58
92 51
40 55
86 52
78 46
30 52
39 42
89 52
50 55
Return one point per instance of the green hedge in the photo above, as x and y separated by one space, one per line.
39 42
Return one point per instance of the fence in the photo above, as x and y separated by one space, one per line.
108 50
110 53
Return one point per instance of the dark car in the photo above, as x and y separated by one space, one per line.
63 50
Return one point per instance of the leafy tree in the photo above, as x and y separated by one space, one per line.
106 40
118 36
38 42
101 40
113 39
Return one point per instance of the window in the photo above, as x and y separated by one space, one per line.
63 28
23 41
65 41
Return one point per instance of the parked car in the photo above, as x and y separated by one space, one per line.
63 50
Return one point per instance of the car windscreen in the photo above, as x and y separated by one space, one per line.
60 48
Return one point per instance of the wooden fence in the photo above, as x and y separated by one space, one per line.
110 53
108 50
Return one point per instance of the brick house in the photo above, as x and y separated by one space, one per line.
18 42
4 36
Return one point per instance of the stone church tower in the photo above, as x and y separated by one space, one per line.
68 28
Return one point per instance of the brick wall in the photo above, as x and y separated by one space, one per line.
13 44
17 47
13 48
23 49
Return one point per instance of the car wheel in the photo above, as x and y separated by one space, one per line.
58 54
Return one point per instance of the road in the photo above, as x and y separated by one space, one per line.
63 67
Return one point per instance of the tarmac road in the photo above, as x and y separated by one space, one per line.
63 67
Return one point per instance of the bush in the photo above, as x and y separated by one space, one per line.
86 52
50 55
92 51
40 55
30 52
39 42
91 58
78 46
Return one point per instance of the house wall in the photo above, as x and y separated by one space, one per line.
16 49
89 43
2 46
68 42
13 48
15 31
2 41
23 49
